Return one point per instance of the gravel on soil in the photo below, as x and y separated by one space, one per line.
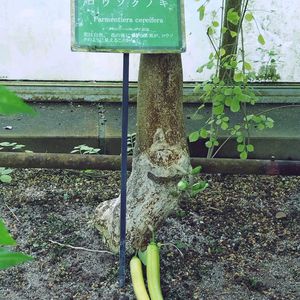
239 239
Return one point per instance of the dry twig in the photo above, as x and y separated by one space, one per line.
12 212
80 248
214 208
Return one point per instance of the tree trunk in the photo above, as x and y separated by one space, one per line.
229 43
160 159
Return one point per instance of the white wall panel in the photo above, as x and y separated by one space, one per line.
35 42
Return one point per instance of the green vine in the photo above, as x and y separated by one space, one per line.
228 88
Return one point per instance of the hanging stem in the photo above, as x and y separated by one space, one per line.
244 105
211 149
220 37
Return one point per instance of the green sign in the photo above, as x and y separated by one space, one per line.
142 26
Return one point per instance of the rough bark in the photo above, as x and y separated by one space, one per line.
161 157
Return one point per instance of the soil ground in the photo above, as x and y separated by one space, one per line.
239 239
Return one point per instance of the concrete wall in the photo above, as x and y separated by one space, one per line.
35 42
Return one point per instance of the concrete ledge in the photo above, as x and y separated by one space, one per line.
111 91
61 126
56 128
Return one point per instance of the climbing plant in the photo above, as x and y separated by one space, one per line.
228 88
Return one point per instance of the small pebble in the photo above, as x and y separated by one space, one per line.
280 215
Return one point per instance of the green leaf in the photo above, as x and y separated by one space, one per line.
233 16
194 136
222 52
209 144
5 178
74 151
269 124
210 64
224 29
235 105
7 144
250 148
218 109
261 126
218 99
241 147
9 259
237 90
143 257
233 33
210 30
12 104
243 98
199 187
233 64
201 11
78 147
182 185
243 155
238 77
215 23
216 80
88 171
228 101
203 133
84 148
247 66
256 119
200 70
219 121
249 16
95 150
261 39
196 170
4 171
197 88
5 237
18 147
263 117
228 91
240 139
224 126
208 88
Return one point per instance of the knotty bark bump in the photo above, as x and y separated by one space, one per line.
160 158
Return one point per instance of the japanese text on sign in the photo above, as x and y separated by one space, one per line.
128 25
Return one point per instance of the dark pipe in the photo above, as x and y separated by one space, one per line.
113 162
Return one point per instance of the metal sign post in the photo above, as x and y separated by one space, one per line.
122 255
127 26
